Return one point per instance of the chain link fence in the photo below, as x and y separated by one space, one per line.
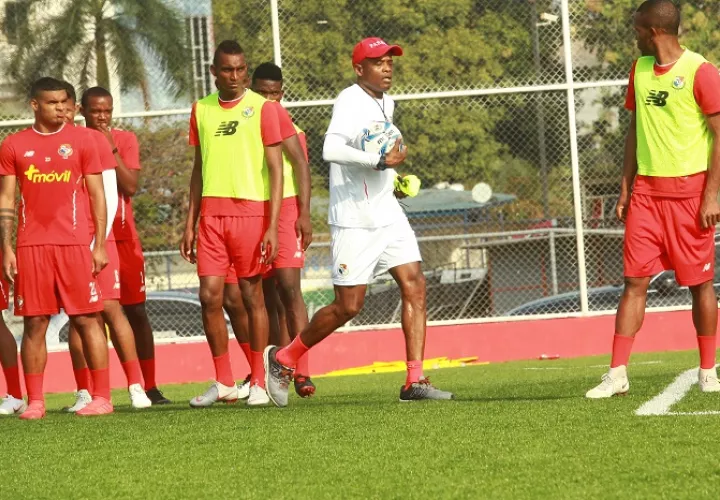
483 96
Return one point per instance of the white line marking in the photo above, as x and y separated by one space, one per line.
661 404
691 413
632 364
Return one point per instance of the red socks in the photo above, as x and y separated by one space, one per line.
622 346
245 346
12 379
223 370
132 372
414 372
303 365
706 345
148 372
289 356
83 379
257 369
101 383
34 385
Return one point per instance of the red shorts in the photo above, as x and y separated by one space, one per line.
665 233
109 278
50 277
290 251
132 272
227 240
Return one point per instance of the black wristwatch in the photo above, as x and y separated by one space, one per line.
114 151
381 164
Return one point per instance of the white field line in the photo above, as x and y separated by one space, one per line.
661 404
693 413
540 368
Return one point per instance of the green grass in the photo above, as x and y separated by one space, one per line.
514 432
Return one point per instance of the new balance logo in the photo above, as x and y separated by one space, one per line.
657 98
226 128
706 268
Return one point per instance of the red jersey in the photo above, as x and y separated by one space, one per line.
50 170
107 160
129 150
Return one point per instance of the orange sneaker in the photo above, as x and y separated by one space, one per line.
35 411
98 406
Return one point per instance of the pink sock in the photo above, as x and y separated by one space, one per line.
257 369
245 346
289 356
101 383
12 379
303 365
132 372
34 385
83 380
148 371
223 370
706 345
622 347
414 372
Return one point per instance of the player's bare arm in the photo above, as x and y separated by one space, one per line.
127 179
629 170
187 244
709 209
7 222
96 193
293 149
273 155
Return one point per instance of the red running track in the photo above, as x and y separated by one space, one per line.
493 342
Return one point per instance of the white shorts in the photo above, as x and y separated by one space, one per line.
359 253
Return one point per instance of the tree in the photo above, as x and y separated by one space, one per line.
88 40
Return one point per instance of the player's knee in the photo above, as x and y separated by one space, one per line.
349 308
636 286
413 289
36 325
210 298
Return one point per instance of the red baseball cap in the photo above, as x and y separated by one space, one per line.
374 47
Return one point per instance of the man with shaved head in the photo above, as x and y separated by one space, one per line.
669 189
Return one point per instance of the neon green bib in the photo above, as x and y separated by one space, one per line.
673 139
232 148
290 187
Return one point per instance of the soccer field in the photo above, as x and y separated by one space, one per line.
516 430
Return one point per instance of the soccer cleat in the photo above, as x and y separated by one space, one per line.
258 396
244 388
82 399
304 387
12 406
35 411
423 390
157 397
277 377
614 382
98 406
138 399
216 392
708 380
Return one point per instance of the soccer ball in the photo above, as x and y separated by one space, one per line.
379 137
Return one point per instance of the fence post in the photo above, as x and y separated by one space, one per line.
574 156
553 263
275 15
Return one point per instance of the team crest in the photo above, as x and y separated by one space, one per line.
65 151
342 269
678 82
248 112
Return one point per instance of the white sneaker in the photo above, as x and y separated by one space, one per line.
138 398
82 399
216 392
258 396
614 382
12 405
708 380
244 389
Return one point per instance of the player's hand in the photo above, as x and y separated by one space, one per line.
9 266
100 259
187 246
269 246
709 213
397 155
108 135
303 230
622 207
399 194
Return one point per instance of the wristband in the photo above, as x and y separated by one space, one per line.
381 164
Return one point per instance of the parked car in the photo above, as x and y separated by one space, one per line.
172 314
